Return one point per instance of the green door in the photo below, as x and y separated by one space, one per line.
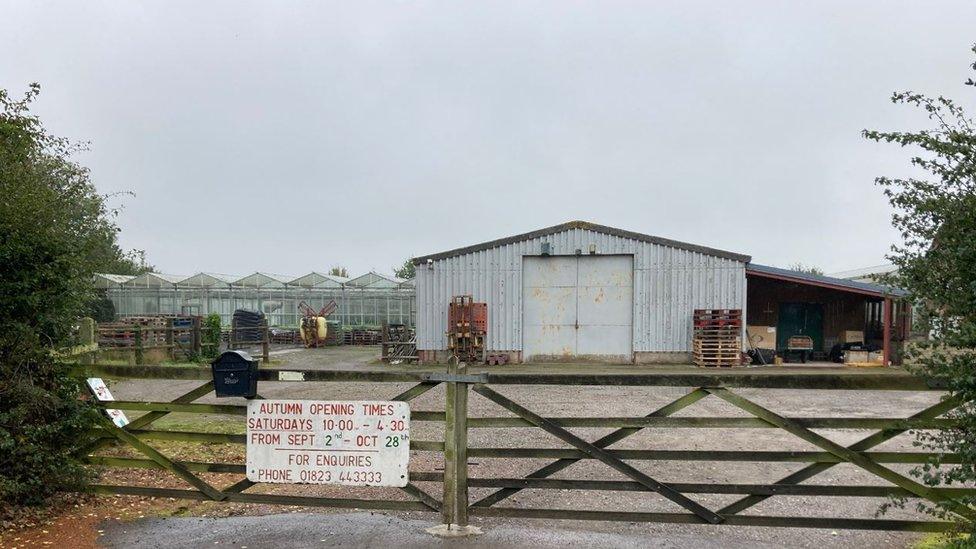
800 319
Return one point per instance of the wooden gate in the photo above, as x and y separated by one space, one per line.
455 503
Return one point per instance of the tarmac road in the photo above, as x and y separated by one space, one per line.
374 530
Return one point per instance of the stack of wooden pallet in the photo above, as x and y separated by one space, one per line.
717 337
123 333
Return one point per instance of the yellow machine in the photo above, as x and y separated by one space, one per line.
313 330
313 327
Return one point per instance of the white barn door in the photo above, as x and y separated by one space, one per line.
577 307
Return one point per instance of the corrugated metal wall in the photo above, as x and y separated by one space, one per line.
668 284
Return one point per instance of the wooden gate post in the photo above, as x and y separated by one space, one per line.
86 337
454 511
461 450
138 344
171 338
196 338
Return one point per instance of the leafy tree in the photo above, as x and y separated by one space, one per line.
339 271
801 268
211 335
405 271
55 232
111 259
100 309
936 261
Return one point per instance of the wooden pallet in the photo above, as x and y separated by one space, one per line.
718 342
717 318
717 351
717 362
721 332
717 337
728 357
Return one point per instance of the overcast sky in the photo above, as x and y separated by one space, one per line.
293 136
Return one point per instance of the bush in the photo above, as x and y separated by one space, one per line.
55 233
211 336
40 427
936 263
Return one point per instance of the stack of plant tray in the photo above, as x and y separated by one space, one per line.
334 336
717 340
281 336
362 336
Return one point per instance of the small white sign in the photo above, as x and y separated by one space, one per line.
101 392
353 443
291 376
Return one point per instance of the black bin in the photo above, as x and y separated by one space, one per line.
235 374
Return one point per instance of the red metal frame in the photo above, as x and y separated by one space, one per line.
886 318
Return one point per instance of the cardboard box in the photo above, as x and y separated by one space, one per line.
762 337
851 336
855 356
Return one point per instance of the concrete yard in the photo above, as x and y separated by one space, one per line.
556 401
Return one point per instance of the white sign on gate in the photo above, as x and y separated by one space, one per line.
101 392
355 443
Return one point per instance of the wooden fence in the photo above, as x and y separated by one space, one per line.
454 503
172 338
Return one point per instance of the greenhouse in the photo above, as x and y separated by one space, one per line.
367 300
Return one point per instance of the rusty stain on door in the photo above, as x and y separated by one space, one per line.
578 306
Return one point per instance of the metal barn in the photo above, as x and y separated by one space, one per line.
579 291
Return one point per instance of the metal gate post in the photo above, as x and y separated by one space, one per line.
454 512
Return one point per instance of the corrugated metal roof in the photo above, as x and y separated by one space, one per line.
865 271
826 281
587 226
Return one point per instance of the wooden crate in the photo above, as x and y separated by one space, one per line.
475 315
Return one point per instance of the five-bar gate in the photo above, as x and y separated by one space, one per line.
455 504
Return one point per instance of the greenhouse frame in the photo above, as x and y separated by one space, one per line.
367 300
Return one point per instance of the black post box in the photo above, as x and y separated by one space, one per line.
235 374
